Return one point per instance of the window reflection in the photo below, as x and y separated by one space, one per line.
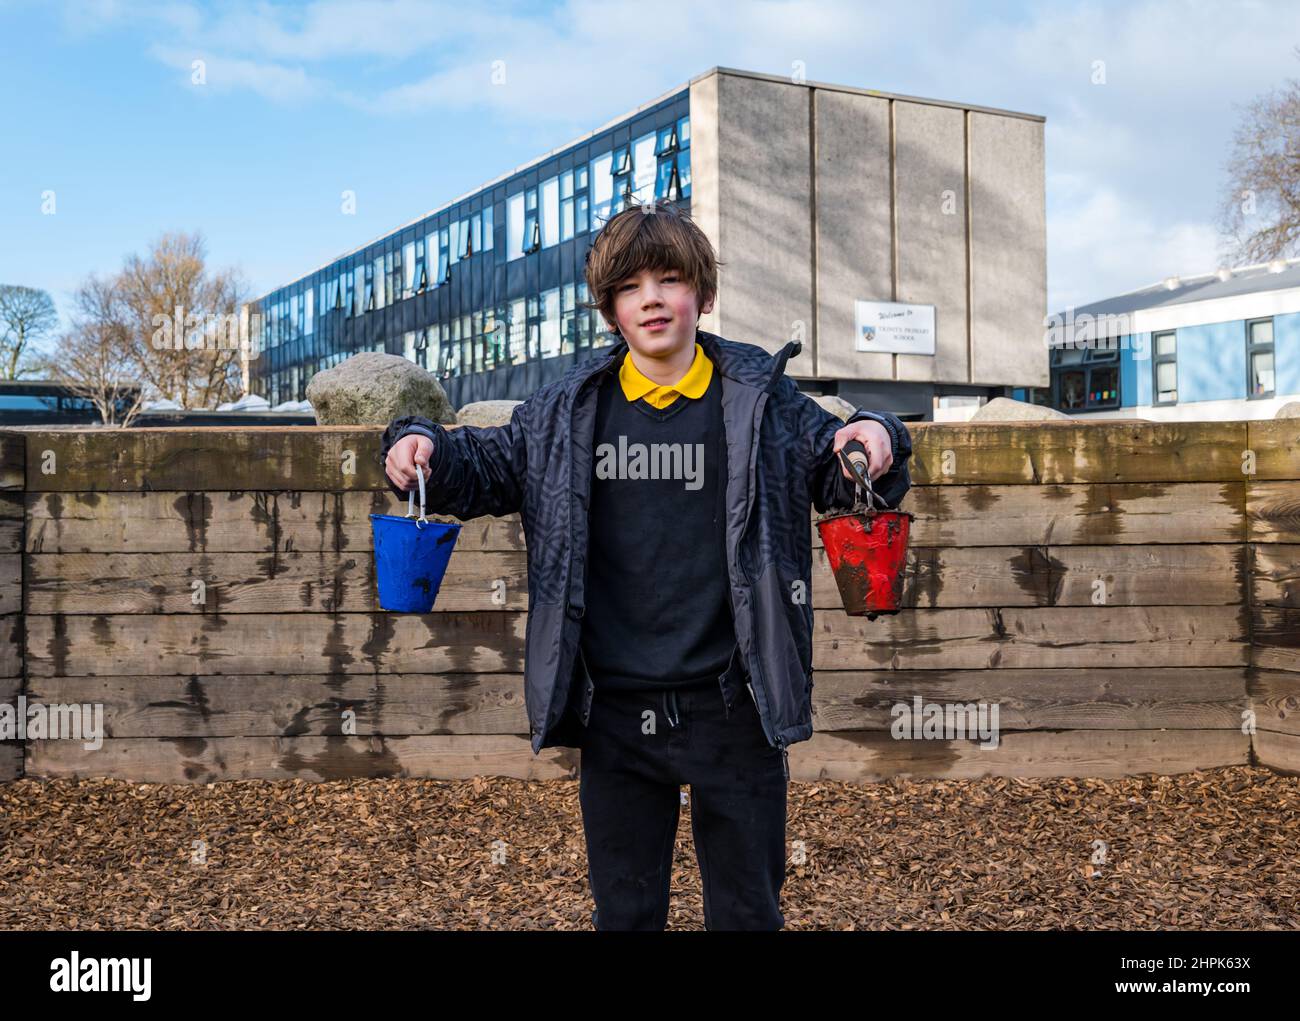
587 186
550 232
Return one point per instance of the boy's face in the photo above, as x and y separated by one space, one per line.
657 311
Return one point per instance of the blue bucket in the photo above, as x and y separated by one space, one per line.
411 556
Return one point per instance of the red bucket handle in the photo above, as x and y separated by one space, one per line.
859 468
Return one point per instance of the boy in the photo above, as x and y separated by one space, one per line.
664 487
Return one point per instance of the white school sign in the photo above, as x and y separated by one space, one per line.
893 327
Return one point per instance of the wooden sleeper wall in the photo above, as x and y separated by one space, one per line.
287 648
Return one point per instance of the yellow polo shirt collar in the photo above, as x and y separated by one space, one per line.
693 384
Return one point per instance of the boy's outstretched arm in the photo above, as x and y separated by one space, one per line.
474 470
826 480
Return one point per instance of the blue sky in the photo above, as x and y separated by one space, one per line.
394 101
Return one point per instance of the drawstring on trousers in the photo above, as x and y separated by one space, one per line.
670 696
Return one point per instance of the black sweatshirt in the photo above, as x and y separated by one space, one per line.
658 595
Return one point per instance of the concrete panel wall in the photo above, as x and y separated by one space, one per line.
930 153
705 210
1008 250
764 200
793 184
854 228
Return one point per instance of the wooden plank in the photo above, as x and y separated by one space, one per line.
116 644
1037 637
11 761
11 583
404 704
1064 515
1275 574
203 760
11 508
255 583
946 516
1273 511
1081 699
109 460
1279 752
973 453
1276 633
12 460
293 705
1275 698
324 582
872 756
281 643
346 458
231 522
1163 575
1276 443
11 751
11 652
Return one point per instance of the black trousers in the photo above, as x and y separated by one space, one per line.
638 748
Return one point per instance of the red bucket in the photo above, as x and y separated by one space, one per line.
867 551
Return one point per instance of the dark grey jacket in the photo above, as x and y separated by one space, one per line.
780 459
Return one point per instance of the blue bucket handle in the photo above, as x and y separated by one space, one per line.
421 521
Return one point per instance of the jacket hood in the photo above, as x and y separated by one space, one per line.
746 363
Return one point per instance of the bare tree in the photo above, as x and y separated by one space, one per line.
183 322
1260 215
26 316
96 359
164 327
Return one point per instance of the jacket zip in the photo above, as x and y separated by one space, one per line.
792 348
780 741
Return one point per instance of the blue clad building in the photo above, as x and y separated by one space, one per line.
1217 347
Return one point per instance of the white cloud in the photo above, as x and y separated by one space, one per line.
1101 243
223 74
1134 165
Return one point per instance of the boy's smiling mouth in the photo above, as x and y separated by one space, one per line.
656 323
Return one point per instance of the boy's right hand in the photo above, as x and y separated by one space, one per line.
404 456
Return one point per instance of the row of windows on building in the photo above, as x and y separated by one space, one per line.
1088 379
656 165
544 325
552 323
577 201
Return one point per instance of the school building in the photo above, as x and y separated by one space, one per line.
1218 347
902 240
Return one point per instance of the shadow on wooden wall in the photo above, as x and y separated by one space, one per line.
1127 594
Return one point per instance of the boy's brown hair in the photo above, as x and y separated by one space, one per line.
654 236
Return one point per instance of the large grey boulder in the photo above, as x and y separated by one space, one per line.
373 388
1004 409
486 413
1291 409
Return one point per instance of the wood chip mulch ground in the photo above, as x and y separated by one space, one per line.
1207 850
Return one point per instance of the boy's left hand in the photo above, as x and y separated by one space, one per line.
873 436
